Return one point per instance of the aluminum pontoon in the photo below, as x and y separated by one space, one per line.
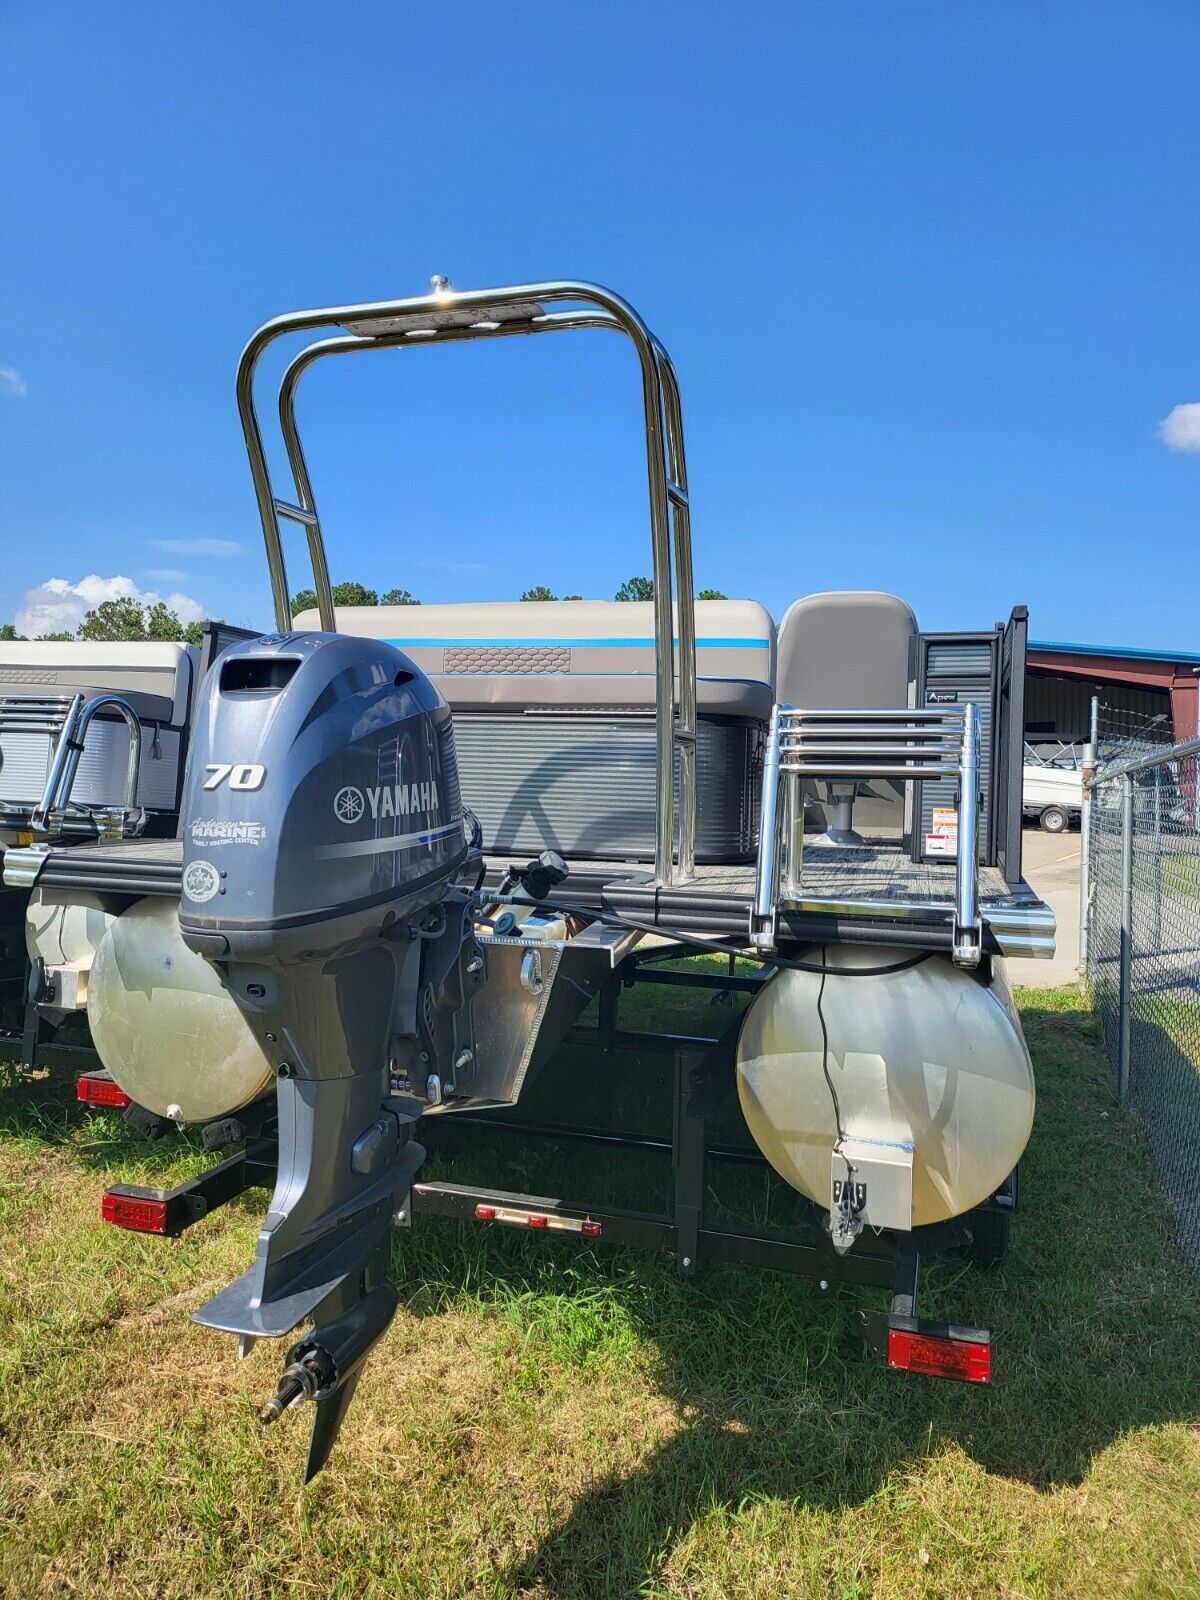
348 904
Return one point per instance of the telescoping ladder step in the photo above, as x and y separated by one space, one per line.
846 747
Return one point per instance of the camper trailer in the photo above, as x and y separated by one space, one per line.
415 845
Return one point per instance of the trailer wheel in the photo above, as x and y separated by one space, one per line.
989 1238
1054 819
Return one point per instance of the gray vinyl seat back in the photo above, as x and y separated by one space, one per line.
562 640
850 649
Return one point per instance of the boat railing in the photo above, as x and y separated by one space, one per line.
849 745
50 813
1060 755
447 316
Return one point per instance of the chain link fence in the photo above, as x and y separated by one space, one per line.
1142 883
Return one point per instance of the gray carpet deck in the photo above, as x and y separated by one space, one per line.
877 871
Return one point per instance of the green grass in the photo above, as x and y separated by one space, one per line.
1178 876
548 1421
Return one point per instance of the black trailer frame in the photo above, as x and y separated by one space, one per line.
701 1077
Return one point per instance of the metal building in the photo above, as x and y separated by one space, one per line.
1154 690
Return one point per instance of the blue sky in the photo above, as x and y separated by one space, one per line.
929 273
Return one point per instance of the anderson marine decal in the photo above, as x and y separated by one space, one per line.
211 831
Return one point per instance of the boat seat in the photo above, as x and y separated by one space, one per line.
567 694
37 680
554 728
849 649
156 678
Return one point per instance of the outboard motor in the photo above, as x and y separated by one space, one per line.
326 878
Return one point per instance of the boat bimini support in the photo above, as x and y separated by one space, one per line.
901 746
446 315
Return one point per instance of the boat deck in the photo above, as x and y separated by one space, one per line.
871 894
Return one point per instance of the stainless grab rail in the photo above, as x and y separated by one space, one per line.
64 764
449 316
905 746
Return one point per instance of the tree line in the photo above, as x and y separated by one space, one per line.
357 594
125 618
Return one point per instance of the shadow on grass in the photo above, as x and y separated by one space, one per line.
1095 1321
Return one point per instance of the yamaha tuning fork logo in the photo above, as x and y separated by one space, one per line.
351 804
348 804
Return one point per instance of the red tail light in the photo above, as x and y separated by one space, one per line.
139 1216
98 1089
940 1355
543 1221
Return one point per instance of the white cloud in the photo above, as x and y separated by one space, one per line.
169 575
198 547
1180 428
11 381
57 606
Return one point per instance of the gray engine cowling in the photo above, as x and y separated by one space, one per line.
321 791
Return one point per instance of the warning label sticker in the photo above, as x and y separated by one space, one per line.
942 839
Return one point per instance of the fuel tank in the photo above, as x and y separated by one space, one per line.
927 1067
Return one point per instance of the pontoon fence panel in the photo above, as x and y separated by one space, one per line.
585 785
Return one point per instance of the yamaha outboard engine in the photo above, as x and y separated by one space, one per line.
325 877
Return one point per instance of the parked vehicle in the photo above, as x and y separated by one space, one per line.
1052 788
